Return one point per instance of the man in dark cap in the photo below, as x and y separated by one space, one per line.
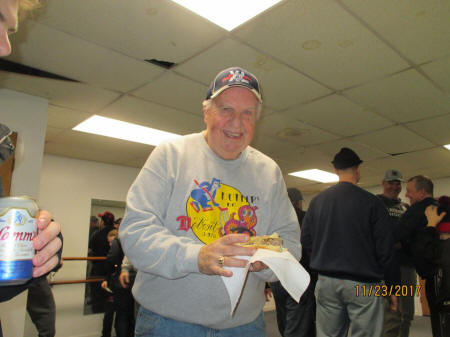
347 232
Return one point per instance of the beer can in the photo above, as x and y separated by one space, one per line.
17 229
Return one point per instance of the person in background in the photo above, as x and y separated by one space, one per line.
296 319
438 286
397 323
123 302
194 201
107 284
99 246
94 226
347 233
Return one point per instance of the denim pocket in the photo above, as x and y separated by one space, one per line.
146 323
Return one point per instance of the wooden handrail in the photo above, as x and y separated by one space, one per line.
89 258
91 280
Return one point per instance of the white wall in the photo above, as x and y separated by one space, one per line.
66 188
27 115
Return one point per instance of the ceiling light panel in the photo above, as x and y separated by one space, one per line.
316 175
227 14
123 130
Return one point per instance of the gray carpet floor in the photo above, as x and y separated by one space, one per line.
420 327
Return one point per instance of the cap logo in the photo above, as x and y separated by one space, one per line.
237 76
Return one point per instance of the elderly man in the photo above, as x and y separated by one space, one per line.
48 242
196 199
347 232
397 323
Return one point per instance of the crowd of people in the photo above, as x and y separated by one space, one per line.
197 200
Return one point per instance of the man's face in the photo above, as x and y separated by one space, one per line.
8 24
230 122
391 189
413 194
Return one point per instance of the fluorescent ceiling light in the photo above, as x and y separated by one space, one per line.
316 175
227 14
447 146
114 128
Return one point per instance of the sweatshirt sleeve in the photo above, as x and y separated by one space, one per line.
146 240
284 221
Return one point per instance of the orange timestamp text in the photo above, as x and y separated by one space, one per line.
388 290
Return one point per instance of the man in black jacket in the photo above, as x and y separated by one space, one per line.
348 234
397 323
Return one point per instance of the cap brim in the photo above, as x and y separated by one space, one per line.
218 92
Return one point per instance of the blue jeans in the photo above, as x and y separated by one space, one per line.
149 324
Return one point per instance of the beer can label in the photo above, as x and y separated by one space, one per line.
17 230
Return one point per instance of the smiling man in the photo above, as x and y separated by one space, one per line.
194 200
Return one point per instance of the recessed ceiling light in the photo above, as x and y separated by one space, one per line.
316 175
227 14
447 146
114 128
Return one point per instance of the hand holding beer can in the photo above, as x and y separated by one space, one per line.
17 231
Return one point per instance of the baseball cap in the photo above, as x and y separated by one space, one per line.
392 175
234 77
107 216
346 158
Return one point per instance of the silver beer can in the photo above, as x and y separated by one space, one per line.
17 229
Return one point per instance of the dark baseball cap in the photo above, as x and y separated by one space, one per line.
234 77
393 175
346 158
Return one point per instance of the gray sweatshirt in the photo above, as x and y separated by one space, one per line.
186 196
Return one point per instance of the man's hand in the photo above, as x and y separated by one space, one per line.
393 303
124 279
268 294
211 254
432 216
46 243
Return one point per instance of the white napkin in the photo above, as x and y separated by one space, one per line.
293 277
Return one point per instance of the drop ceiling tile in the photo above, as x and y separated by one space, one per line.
274 148
47 49
280 84
403 97
77 96
142 29
364 152
135 110
394 140
87 146
439 71
175 91
321 39
435 129
64 118
338 115
420 29
286 129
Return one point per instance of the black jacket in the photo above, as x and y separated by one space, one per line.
348 234
419 242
